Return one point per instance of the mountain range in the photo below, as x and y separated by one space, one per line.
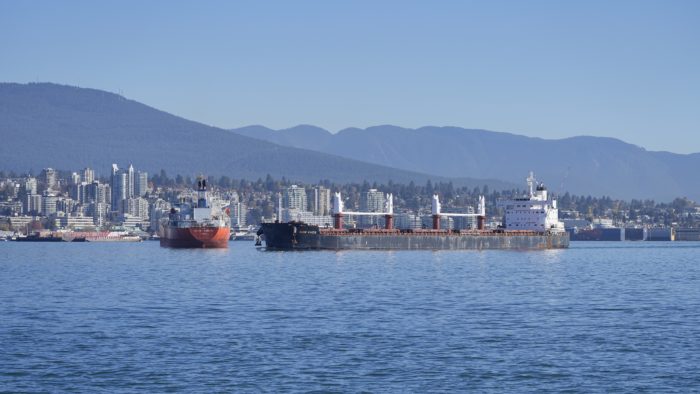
581 165
64 127
49 125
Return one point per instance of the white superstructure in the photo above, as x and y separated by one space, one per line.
533 212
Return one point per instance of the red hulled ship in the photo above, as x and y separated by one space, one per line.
197 224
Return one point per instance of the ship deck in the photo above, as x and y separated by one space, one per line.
426 232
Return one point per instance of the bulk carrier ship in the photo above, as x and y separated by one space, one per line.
196 224
529 222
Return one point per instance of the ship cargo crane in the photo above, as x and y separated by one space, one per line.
338 212
437 214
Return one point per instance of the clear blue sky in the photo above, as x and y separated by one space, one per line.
551 69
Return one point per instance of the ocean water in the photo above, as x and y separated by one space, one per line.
598 317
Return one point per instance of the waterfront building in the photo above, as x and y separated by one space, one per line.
99 212
157 210
128 221
137 207
74 221
32 204
294 198
74 178
98 192
48 203
81 192
21 223
11 207
65 205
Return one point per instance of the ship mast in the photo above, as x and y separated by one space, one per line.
202 192
530 182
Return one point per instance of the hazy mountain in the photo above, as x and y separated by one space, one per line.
581 165
49 125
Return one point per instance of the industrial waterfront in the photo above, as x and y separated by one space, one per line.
135 202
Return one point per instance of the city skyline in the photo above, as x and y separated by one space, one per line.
551 70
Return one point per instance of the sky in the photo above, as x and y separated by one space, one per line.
549 69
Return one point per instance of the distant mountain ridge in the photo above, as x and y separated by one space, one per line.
581 165
49 125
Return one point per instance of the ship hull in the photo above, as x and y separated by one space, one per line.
299 236
195 237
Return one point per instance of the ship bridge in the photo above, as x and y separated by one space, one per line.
535 212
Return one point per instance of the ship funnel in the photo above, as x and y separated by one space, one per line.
436 205
390 204
337 207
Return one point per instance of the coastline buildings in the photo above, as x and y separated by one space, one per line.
56 199
127 185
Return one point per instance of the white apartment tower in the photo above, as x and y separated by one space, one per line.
88 175
51 178
295 198
321 204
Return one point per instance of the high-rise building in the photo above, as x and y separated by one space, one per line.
120 188
48 203
30 185
137 207
81 192
99 214
238 214
74 178
51 178
157 210
294 198
130 180
321 203
112 182
32 204
65 205
141 184
88 175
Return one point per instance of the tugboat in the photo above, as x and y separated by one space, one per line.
196 224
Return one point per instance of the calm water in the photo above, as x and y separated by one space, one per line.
136 317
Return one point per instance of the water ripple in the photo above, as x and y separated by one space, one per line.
598 317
